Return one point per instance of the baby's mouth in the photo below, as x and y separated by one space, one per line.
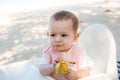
58 45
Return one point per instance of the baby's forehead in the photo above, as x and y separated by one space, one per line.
66 25
61 22
60 31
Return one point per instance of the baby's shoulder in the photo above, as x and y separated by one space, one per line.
46 50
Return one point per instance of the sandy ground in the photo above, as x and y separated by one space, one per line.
24 37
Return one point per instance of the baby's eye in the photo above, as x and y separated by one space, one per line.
52 35
64 35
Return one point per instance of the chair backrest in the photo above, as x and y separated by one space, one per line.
99 44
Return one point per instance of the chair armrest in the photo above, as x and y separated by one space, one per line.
98 77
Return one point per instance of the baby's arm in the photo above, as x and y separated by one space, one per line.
74 75
46 69
83 72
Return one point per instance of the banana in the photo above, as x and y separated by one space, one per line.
62 66
57 68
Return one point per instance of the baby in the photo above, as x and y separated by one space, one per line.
63 33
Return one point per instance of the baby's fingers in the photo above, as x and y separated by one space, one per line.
55 62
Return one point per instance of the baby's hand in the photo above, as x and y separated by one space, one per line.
56 61
72 75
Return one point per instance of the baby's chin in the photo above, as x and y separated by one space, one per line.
61 50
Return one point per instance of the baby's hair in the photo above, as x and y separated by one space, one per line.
66 15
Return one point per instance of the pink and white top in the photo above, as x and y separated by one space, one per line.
74 54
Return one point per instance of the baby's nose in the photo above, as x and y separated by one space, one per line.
58 39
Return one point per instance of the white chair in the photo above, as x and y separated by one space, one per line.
24 70
99 44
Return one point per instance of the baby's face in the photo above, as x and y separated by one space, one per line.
61 34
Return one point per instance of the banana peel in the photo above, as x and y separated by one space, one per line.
62 67
57 68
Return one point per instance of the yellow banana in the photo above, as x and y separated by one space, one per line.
57 68
62 66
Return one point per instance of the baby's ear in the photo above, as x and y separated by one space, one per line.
76 36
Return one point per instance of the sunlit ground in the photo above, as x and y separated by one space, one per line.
23 26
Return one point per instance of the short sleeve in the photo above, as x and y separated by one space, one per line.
44 59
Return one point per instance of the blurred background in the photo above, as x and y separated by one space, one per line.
23 24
